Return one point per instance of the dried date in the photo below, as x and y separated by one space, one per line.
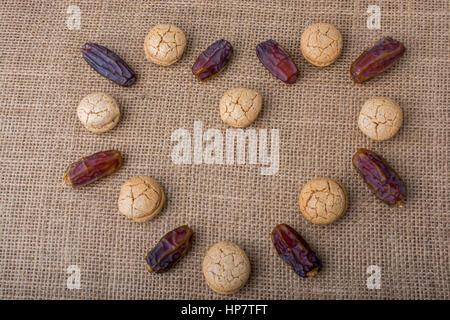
93 167
277 61
376 60
381 178
170 249
294 250
108 64
213 60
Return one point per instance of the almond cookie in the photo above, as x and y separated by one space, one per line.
98 112
141 198
226 267
321 44
323 200
240 106
164 44
380 118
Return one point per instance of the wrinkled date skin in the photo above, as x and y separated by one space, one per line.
93 167
277 61
376 60
294 250
108 64
381 178
170 249
213 60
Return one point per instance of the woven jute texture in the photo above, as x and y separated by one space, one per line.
46 226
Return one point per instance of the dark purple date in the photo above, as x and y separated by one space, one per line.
277 61
381 178
213 60
108 64
93 167
170 249
294 250
376 60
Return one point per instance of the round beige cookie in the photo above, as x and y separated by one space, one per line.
226 267
321 44
323 200
239 107
164 44
98 112
380 118
141 198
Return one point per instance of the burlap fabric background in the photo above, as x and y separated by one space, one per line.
46 226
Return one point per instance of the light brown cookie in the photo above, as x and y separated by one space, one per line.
321 44
226 268
239 107
323 200
98 112
380 118
164 44
141 198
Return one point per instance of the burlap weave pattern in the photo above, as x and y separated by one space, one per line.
46 226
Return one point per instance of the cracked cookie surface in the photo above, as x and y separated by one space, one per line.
141 198
226 267
239 107
164 44
380 118
98 112
323 200
321 44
